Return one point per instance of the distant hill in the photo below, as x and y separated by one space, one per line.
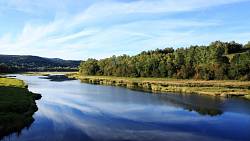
33 63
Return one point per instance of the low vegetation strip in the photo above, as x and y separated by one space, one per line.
224 88
8 82
17 106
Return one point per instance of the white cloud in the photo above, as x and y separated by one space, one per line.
84 33
105 8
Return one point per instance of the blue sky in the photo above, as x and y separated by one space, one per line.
82 29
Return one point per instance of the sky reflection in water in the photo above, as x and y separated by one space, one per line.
71 110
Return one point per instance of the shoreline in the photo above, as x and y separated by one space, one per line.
17 106
219 88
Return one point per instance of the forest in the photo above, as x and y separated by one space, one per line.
217 61
24 63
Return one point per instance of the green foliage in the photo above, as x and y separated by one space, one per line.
90 67
240 66
200 62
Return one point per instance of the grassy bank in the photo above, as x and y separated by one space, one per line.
224 88
17 105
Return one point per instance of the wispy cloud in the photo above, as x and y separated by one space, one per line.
73 36
96 28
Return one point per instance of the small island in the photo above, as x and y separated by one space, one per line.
17 106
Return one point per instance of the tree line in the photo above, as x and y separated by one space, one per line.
15 69
24 63
7 69
217 61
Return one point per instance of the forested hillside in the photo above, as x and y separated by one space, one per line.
219 60
14 63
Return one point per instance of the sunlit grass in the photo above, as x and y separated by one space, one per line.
11 82
225 88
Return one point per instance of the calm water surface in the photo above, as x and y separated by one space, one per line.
75 111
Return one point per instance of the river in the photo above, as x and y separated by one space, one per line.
75 111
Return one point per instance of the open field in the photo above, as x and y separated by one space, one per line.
17 105
224 88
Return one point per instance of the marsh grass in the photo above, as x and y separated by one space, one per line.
224 88
12 82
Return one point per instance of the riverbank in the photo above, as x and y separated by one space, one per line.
17 106
222 88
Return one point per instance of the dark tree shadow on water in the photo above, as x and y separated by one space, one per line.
17 128
17 106
203 105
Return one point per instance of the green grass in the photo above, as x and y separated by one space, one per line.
17 105
224 88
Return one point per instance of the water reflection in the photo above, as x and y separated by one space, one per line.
204 106
70 110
